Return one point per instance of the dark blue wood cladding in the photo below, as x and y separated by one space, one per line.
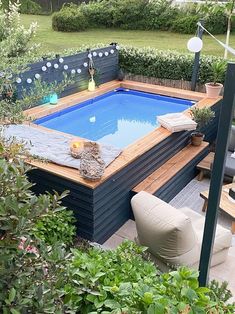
106 66
169 190
100 212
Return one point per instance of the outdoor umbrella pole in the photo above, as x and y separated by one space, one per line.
217 175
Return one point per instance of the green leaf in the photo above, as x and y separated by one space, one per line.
12 295
14 311
112 304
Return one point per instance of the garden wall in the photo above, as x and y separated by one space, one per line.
105 60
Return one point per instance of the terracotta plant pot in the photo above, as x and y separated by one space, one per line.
213 91
197 138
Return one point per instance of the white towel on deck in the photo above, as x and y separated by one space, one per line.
176 122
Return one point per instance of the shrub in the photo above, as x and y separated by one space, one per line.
30 7
186 24
56 226
172 65
216 22
69 19
130 14
139 14
30 272
202 116
161 14
121 281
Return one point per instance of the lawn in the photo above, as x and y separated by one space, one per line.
57 41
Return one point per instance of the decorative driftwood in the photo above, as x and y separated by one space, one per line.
92 166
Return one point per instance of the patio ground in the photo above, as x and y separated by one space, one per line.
190 197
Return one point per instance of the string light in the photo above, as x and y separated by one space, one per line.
112 51
94 54
106 53
79 71
61 60
44 68
48 64
66 67
29 80
85 64
56 65
73 71
100 54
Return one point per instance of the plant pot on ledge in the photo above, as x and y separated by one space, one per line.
202 116
197 138
217 73
213 90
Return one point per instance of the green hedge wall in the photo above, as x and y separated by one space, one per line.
164 64
140 14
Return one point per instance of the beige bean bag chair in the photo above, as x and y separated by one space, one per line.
174 236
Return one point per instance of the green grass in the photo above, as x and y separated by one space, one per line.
58 41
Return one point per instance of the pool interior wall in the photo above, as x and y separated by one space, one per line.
119 117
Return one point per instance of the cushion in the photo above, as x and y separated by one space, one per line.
229 165
223 236
161 227
231 145
176 122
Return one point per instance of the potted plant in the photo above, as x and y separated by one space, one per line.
214 87
202 116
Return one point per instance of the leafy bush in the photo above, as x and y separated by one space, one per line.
56 226
30 7
216 22
185 24
30 272
172 65
69 19
139 14
120 281
202 116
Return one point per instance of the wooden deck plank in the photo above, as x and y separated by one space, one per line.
163 174
130 153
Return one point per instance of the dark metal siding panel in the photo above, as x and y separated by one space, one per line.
107 67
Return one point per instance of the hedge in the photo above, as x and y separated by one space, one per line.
164 64
140 14
70 19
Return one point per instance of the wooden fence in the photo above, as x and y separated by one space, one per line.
164 82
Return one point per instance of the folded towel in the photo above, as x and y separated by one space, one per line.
176 122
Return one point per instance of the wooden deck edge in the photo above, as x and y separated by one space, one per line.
169 169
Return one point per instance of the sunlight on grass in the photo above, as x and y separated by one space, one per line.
58 41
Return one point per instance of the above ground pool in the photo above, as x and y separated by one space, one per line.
119 117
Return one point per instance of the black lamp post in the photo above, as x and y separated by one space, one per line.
196 58
217 175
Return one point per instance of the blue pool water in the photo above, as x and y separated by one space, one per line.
119 117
